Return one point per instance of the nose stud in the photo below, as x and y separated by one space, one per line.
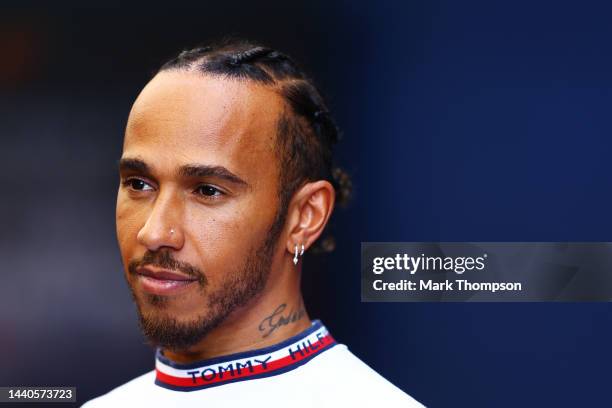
171 231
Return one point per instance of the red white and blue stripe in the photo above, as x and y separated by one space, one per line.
264 362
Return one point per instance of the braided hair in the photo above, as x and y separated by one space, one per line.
306 130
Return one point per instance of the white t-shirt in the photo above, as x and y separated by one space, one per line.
307 370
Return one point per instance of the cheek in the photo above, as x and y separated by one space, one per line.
223 239
218 233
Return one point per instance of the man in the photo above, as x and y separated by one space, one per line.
225 182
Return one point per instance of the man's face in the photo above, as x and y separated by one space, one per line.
197 199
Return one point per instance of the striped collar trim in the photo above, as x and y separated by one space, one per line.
259 363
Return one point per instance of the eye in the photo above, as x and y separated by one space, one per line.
209 191
137 184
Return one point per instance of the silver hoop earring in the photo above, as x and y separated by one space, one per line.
295 253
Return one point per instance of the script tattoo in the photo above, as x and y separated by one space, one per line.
276 319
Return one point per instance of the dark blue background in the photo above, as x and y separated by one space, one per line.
487 122
462 121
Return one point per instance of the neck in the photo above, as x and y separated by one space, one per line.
261 323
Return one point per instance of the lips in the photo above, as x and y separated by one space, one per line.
163 282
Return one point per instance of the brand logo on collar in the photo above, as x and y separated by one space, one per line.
266 362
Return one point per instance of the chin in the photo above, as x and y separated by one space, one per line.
156 306
176 331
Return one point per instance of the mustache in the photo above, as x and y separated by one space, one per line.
164 260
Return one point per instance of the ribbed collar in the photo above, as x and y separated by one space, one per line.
248 365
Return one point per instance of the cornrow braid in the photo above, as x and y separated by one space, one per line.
306 130
249 55
186 58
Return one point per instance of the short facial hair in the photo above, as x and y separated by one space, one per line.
238 289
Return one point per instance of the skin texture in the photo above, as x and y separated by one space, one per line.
220 227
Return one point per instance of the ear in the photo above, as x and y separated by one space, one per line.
309 211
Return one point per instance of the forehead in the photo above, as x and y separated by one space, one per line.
183 117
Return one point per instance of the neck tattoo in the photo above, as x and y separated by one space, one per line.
278 319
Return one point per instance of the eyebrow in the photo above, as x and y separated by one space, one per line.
188 170
203 170
133 165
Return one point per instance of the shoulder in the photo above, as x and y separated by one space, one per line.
131 391
350 376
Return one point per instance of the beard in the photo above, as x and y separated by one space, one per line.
234 292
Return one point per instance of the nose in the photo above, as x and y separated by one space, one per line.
163 225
